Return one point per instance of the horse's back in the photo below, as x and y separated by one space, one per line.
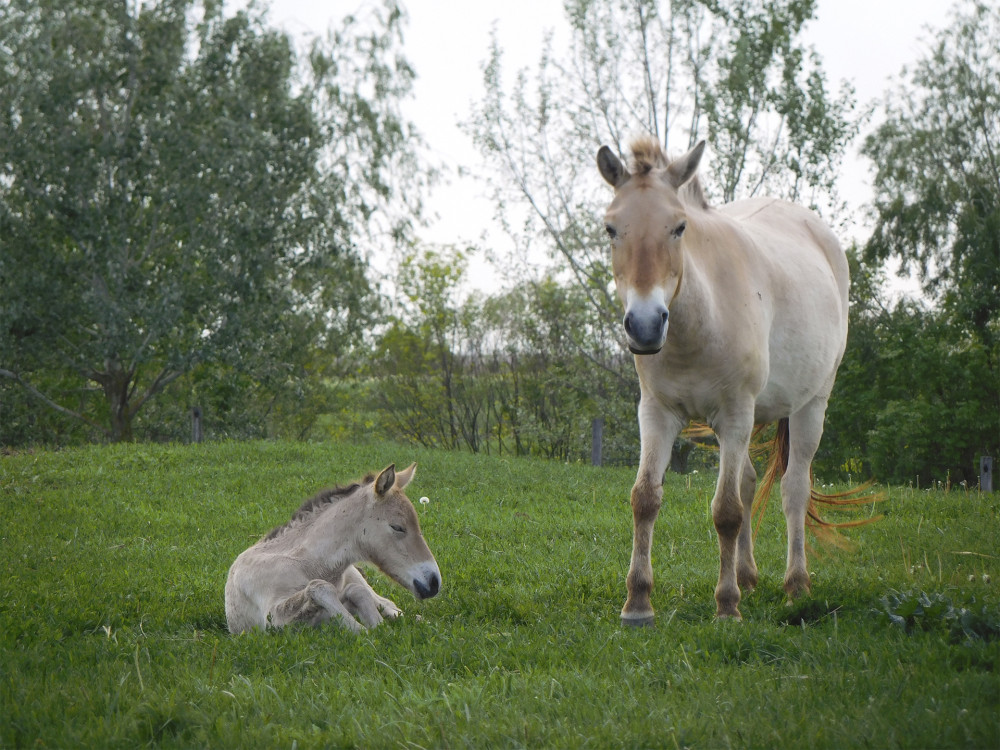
803 269
793 236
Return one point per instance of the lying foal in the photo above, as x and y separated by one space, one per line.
305 570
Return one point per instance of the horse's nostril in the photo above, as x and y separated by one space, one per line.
425 590
663 317
628 324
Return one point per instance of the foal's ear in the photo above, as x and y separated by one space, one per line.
385 480
611 168
403 477
683 169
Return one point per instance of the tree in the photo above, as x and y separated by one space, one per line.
734 71
936 180
418 358
178 192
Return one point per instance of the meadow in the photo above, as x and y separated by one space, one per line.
113 634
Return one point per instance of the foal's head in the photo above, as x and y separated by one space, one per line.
646 223
390 534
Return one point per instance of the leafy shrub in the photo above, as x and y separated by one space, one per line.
922 611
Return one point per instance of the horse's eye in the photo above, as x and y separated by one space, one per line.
679 229
397 528
612 232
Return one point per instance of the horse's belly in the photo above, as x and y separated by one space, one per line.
796 379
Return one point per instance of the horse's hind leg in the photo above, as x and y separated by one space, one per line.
318 602
805 428
746 568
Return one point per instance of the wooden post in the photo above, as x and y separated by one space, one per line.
986 474
196 432
596 438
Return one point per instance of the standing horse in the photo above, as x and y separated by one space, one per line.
754 294
304 570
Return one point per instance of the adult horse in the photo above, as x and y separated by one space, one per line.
737 315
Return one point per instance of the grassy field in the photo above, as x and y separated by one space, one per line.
112 626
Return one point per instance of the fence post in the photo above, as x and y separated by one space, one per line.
596 438
196 433
986 473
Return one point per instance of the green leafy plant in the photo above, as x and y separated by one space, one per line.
920 610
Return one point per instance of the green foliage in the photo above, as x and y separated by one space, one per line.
913 610
755 70
512 372
908 404
179 193
112 627
937 211
736 72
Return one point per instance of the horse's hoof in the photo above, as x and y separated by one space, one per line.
638 621
734 616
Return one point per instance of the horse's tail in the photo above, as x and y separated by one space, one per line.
777 463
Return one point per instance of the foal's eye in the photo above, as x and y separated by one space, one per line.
397 528
679 229
612 232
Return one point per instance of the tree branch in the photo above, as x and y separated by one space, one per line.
49 402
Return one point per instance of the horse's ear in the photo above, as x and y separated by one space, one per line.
403 477
683 169
385 480
611 168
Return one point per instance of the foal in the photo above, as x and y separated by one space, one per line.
304 571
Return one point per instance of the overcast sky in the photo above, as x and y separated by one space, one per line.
866 42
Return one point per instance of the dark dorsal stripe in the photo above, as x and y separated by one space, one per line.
318 503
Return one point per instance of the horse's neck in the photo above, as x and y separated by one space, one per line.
331 539
712 269
691 309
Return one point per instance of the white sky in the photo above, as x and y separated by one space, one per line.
866 42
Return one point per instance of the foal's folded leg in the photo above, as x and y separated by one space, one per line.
361 599
315 604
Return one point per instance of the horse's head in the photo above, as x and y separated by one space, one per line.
391 538
646 223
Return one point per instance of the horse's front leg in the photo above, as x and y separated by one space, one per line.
362 601
728 509
657 431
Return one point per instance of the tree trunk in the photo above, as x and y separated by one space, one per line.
115 383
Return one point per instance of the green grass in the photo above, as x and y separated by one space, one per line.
112 626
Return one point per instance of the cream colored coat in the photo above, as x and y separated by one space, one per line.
305 570
737 315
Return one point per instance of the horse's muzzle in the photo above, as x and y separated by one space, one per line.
645 327
428 587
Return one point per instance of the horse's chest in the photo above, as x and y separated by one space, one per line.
699 386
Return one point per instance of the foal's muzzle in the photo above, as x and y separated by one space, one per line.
428 587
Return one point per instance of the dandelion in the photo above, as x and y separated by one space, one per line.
424 500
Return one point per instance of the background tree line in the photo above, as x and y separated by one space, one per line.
188 207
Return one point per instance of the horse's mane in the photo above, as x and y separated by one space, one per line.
317 504
647 155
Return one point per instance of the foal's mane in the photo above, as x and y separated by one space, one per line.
647 155
317 504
